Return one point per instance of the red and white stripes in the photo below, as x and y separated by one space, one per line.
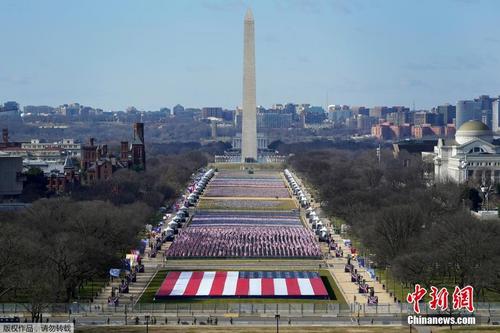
234 284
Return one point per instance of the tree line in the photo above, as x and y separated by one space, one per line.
52 248
423 232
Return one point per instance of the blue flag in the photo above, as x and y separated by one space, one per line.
115 272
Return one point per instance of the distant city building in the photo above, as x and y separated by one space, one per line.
389 131
97 164
212 112
165 111
398 118
430 131
66 181
36 110
188 113
379 111
423 117
472 156
138 148
382 131
301 108
364 122
5 143
270 120
69 110
290 108
351 123
132 109
228 115
496 115
11 181
449 113
339 113
9 109
178 109
314 115
467 110
10 106
360 110
485 103
262 141
43 152
68 145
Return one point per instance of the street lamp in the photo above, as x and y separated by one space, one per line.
147 323
402 295
277 316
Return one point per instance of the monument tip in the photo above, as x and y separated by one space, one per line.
249 15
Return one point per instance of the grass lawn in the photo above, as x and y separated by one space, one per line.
393 285
85 293
331 287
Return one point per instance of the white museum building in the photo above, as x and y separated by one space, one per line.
472 155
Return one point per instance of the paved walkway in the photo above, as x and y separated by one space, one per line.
349 288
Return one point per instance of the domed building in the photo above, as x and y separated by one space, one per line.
472 155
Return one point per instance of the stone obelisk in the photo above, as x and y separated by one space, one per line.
249 124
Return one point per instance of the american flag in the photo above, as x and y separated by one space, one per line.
242 284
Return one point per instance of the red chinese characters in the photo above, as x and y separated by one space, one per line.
463 298
439 298
415 297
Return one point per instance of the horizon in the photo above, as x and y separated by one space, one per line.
118 54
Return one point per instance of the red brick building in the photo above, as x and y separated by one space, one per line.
65 182
98 164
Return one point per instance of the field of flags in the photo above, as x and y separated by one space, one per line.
239 184
245 233
226 241
243 215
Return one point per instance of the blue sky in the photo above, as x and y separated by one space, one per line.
155 53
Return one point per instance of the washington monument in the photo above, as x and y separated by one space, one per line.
249 124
